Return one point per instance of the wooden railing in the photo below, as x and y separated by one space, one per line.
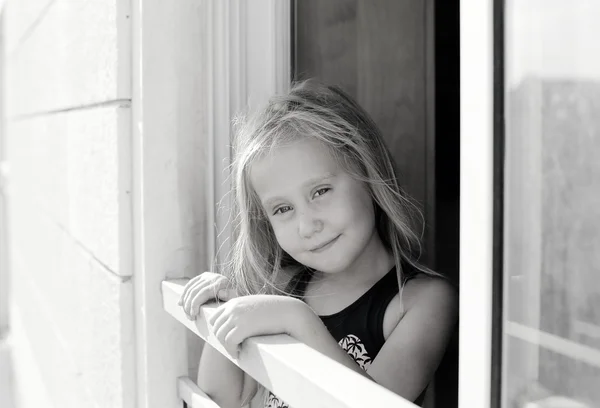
299 375
192 395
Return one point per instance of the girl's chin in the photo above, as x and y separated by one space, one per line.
328 268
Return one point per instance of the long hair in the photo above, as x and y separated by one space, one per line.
256 261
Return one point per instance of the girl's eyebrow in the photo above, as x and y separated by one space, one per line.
307 183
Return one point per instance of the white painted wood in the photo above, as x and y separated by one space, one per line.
249 61
301 376
6 375
75 166
25 368
4 261
76 317
192 395
4 265
195 66
283 44
221 41
476 234
23 15
73 54
268 42
171 110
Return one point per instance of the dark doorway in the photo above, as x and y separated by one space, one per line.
400 60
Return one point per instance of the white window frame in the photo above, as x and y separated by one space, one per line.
247 47
476 203
251 62
247 64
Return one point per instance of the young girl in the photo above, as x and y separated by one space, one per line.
323 251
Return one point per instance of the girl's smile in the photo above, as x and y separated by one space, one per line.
325 246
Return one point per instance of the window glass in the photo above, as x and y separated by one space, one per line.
551 316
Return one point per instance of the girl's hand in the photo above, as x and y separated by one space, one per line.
201 289
254 315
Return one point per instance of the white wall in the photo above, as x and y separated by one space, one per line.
117 120
68 138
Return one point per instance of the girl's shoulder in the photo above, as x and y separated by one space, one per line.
417 343
424 291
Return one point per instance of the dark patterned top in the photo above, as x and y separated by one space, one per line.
357 328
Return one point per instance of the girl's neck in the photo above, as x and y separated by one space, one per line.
370 266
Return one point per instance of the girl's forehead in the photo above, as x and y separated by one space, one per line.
292 164
304 153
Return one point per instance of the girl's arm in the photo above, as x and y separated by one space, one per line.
413 351
406 362
410 356
224 382
258 315
248 316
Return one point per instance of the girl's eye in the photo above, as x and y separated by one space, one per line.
322 191
282 209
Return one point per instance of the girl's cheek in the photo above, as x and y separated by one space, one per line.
288 239
280 235
277 227
285 241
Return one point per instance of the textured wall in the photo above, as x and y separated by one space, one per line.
68 138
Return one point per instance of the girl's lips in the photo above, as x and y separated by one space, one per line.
326 246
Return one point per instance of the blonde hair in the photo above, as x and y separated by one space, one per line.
256 261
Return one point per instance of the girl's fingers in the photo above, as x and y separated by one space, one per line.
233 340
222 330
223 333
193 283
213 319
201 297
187 302
187 286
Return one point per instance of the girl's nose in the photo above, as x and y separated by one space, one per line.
309 225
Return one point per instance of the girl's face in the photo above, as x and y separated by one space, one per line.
321 216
